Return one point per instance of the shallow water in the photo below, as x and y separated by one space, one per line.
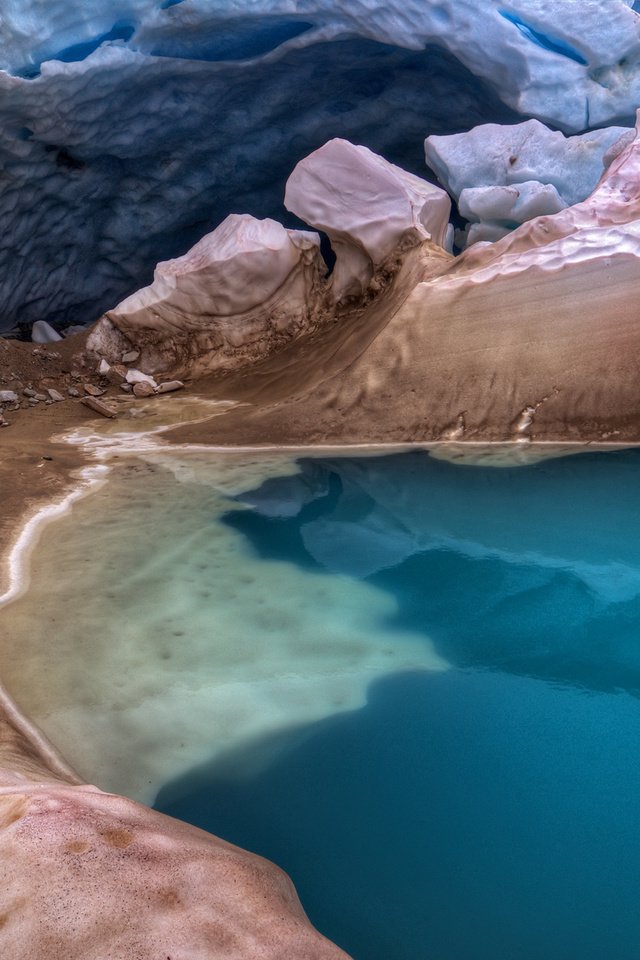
153 635
412 684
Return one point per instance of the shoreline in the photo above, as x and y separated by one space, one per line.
77 466
72 466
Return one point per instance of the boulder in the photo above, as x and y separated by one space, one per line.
368 207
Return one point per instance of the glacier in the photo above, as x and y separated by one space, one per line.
129 129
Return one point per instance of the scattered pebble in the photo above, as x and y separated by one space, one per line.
29 392
131 356
54 395
104 368
73 392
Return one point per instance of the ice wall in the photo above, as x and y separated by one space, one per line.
130 128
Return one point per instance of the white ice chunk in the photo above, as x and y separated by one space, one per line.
43 332
493 154
367 206
137 376
515 204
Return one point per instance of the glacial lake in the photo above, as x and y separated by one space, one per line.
411 683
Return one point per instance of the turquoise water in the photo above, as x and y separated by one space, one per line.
490 810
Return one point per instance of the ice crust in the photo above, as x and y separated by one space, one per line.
130 128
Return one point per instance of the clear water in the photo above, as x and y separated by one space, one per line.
412 684
486 811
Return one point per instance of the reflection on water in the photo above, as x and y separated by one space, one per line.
488 811
532 570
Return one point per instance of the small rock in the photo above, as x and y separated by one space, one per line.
131 356
41 397
137 376
54 395
29 392
8 396
74 328
33 402
126 387
143 389
117 373
76 375
43 332
93 391
103 368
4 423
169 386
99 406
73 392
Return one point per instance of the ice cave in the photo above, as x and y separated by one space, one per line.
319 427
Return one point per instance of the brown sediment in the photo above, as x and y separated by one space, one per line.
35 467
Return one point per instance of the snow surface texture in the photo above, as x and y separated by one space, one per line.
86 875
130 128
502 176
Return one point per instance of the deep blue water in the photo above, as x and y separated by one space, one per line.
491 810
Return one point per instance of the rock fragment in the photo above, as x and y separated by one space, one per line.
143 389
92 390
55 395
99 406
117 373
8 396
131 356
169 386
